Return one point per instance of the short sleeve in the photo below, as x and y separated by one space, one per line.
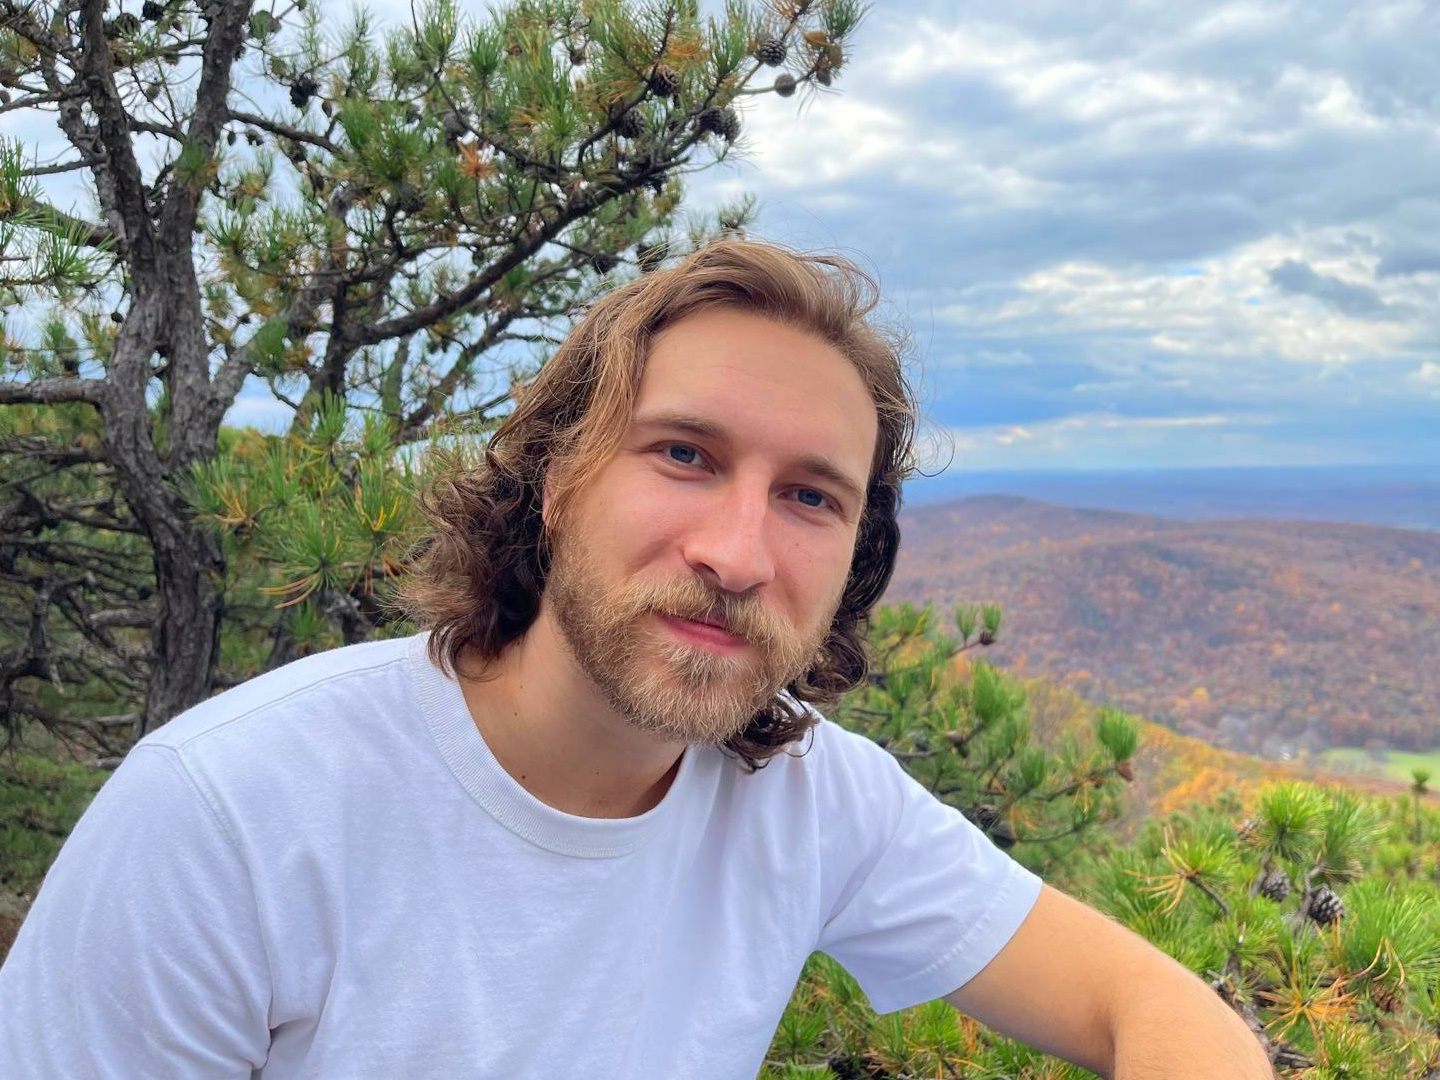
928 900
141 955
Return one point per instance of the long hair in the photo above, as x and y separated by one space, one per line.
477 578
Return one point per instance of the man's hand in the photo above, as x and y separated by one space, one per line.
1077 985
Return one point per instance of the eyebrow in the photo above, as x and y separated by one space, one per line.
816 465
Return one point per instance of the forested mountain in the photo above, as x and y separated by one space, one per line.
1268 636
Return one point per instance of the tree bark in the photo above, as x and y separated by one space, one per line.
185 638
189 566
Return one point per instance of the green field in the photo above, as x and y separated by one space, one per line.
1394 764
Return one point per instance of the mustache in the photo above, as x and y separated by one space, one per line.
743 616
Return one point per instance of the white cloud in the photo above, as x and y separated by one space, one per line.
842 140
1106 440
1227 306
1327 96
1230 22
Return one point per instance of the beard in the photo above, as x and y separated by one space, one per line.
664 685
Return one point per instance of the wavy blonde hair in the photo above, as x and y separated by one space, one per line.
476 579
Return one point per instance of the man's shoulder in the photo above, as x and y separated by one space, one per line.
831 750
318 686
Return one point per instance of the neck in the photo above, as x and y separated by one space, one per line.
550 728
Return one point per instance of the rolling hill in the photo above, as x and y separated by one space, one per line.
1269 636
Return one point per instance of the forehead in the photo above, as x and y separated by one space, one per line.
781 389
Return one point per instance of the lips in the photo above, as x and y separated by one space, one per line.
717 621
707 629
712 617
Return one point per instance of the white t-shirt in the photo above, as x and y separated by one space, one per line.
325 873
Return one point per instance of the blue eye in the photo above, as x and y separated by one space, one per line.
685 455
810 497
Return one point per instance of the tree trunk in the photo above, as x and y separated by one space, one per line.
185 640
189 579
189 565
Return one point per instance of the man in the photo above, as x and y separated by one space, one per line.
587 821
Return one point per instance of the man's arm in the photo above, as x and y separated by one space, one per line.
1077 985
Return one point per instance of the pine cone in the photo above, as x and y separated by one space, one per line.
603 262
1324 906
723 122
785 85
126 23
151 11
630 124
410 198
1387 996
663 80
1245 831
770 52
1275 884
302 90
985 816
730 119
454 126
711 120
862 1066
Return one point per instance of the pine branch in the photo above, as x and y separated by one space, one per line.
112 129
152 127
39 449
80 231
48 43
287 131
494 331
1278 1052
1194 879
69 166
33 98
52 391
1073 786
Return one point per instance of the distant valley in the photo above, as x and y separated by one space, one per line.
1406 497
1268 636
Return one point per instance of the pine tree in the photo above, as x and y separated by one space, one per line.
964 734
1356 997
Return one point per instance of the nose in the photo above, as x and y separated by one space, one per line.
728 545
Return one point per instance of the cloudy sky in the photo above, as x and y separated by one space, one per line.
1171 234
1131 234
